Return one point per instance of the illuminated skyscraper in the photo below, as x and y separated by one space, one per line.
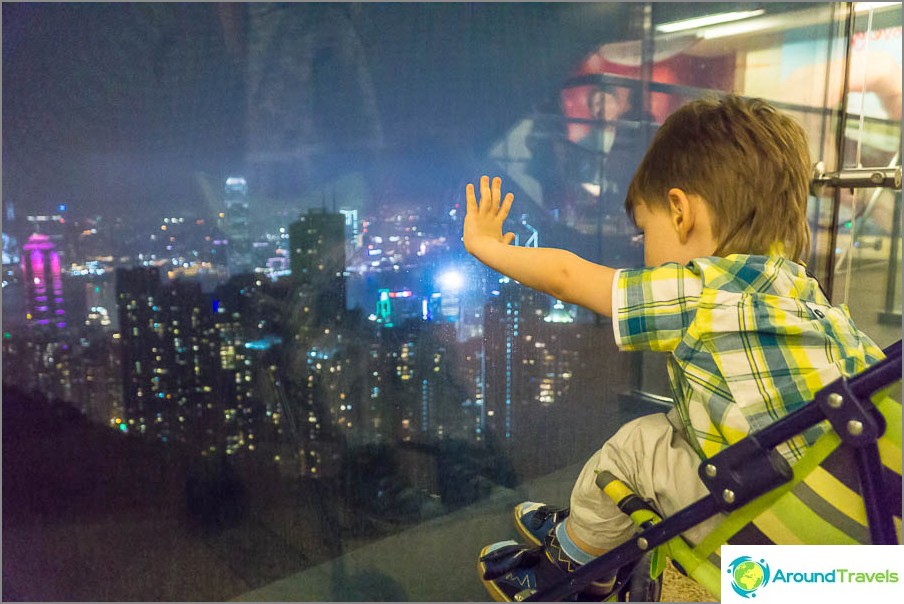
353 229
317 258
529 358
235 223
502 344
43 282
10 235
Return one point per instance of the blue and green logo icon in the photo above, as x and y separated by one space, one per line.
748 575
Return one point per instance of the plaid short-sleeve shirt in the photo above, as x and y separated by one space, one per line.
751 339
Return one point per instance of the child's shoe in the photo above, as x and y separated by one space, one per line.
534 520
511 571
508 570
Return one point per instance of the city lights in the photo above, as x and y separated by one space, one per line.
451 280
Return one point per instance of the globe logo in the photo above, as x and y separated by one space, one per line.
748 575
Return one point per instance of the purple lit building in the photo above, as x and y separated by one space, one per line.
43 283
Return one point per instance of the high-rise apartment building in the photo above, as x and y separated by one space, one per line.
529 356
317 259
170 357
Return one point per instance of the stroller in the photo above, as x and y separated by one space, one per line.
846 490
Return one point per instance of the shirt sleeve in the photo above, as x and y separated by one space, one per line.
653 307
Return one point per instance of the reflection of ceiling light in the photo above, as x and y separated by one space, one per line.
593 189
747 27
859 7
667 28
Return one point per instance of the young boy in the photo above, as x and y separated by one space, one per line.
720 197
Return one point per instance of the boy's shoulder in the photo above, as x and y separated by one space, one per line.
743 273
736 273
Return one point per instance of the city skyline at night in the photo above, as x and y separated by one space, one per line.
153 310
258 215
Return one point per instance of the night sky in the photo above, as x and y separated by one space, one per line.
109 105
114 107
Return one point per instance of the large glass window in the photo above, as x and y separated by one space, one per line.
245 355
867 223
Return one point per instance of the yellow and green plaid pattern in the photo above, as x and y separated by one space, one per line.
751 339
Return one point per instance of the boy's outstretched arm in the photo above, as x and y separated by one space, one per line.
559 273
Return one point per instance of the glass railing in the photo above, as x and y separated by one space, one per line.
354 419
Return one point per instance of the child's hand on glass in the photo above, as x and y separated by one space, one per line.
484 219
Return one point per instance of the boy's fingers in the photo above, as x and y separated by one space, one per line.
508 238
497 192
506 206
470 199
485 202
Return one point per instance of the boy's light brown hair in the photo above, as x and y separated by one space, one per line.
748 161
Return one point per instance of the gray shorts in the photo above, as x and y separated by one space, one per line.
653 457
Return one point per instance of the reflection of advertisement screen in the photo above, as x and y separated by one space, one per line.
672 64
874 73
10 250
593 103
881 49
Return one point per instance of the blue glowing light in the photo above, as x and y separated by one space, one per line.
265 343
451 280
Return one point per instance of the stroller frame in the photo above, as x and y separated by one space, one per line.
752 468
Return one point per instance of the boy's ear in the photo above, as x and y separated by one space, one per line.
682 213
